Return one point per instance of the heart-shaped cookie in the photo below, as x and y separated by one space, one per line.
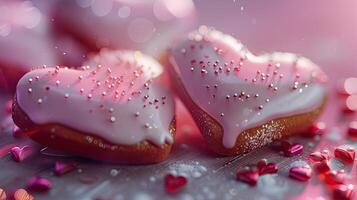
241 101
114 109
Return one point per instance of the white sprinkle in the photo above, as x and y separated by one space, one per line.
39 101
112 119
29 90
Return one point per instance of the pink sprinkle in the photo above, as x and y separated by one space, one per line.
64 167
300 173
20 154
293 150
319 156
39 184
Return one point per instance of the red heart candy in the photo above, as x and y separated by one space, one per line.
319 156
293 150
343 192
335 178
345 154
322 167
20 154
249 176
266 168
64 167
300 173
39 184
174 184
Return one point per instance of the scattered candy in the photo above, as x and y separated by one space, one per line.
248 175
20 154
64 167
352 129
292 149
319 156
174 184
39 184
343 192
2 194
266 168
335 178
322 167
300 173
22 194
345 154
316 129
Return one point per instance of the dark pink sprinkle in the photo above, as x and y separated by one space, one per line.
20 154
345 154
39 184
319 156
249 176
266 168
300 173
64 167
293 150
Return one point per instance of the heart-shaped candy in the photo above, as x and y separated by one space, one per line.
173 184
20 154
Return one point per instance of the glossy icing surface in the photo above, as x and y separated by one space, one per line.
116 96
241 90
24 37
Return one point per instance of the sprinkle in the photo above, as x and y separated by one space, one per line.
346 155
64 167
39 101
20 154
248 175
29 90
39 184
112 119
300 173
174 184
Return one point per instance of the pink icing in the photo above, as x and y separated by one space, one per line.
241 90
118 97
24 37
145 25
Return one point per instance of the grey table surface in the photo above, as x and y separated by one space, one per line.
210 176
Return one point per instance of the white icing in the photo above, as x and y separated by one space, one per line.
111 104
229 94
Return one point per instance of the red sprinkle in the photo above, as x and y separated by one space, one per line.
293 150
343 192
300 173
319 156
248 175
322 167
335 178
352 129
64 167
266 168
20 154
174 184
39 184
346 155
